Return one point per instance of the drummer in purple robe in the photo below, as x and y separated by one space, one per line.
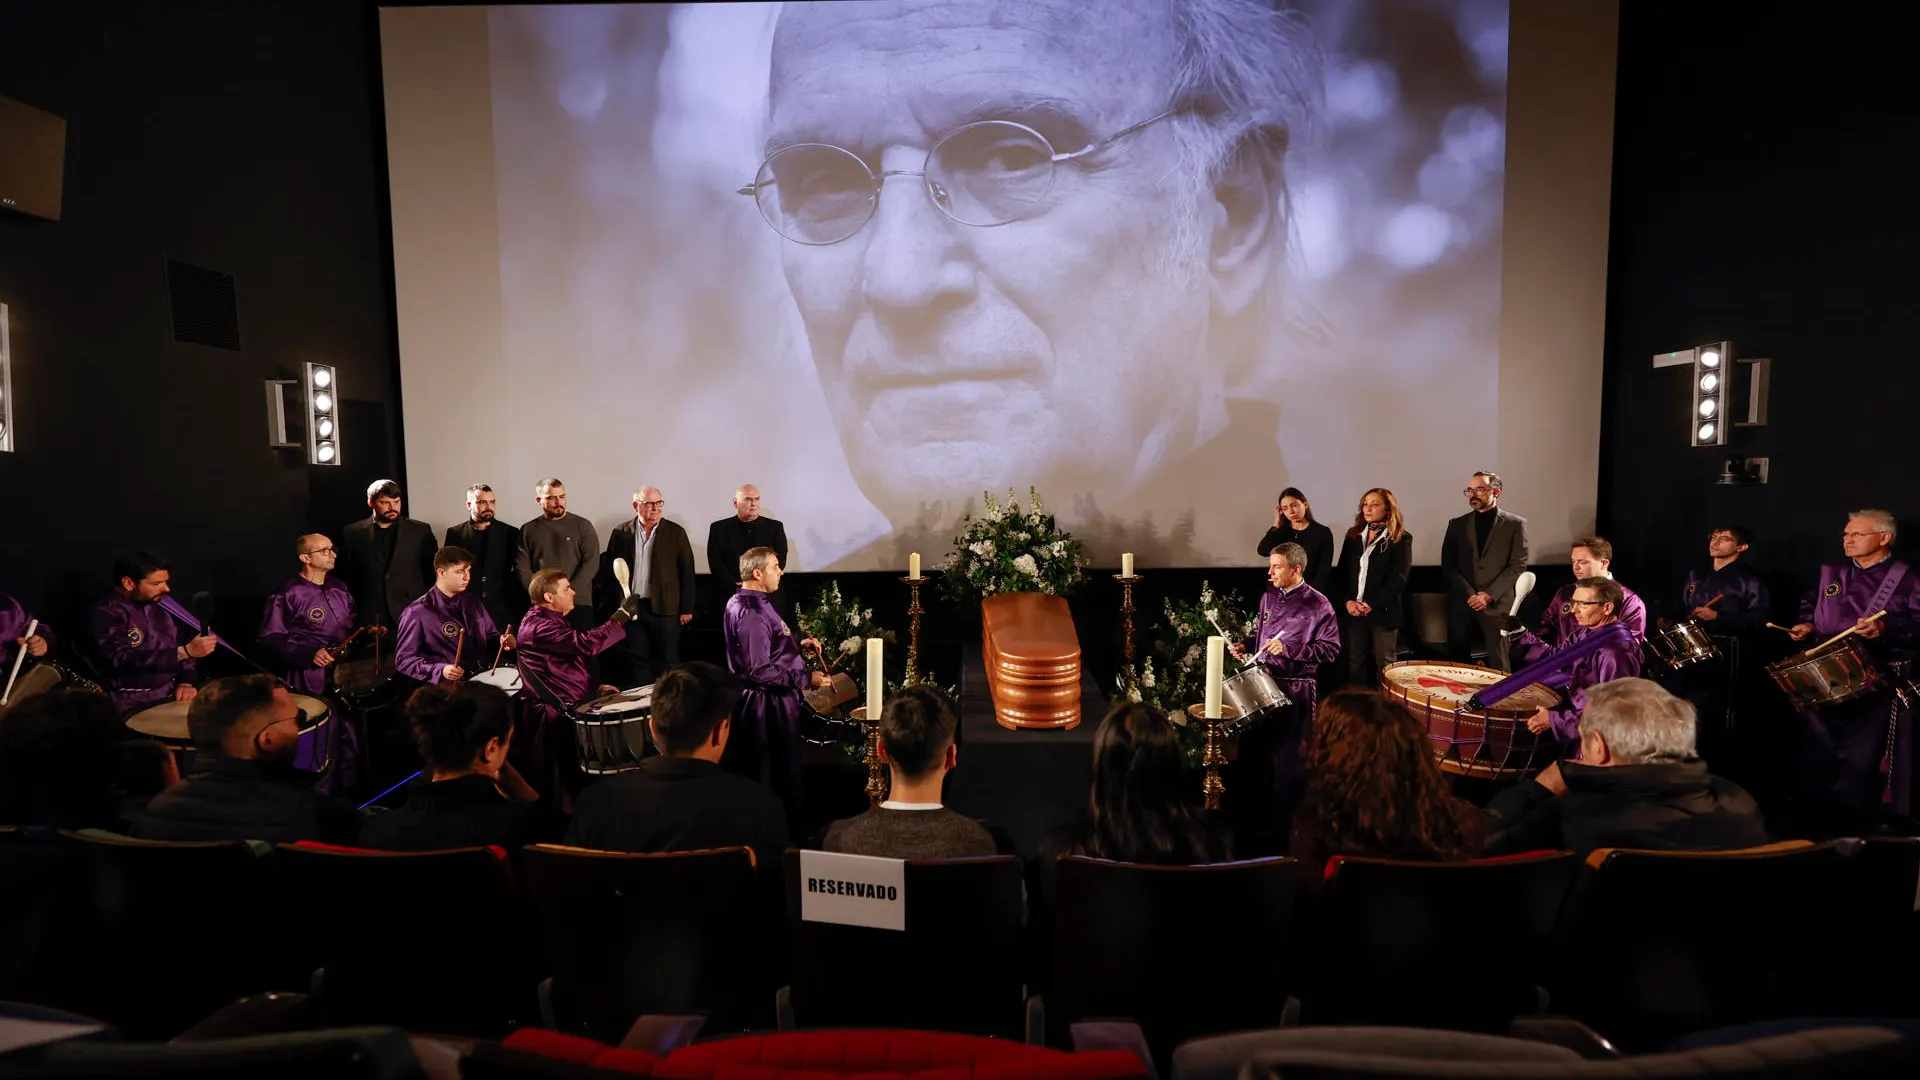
1859 752
1730 598
552 656
764 654
14 621
1592 558
305 622
447 633
1294 633
1595 603
1730 602
137 644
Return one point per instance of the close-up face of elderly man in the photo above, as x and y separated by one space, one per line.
1029 240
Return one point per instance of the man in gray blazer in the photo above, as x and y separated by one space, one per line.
1482 556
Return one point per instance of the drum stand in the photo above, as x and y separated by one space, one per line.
1212 756
1126 630
876 769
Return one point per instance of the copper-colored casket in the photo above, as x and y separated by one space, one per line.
1033 660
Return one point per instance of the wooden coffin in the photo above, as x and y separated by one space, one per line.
1033 660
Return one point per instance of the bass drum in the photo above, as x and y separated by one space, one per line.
1492 742
44 676
610 732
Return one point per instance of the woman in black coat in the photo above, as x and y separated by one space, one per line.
1293 524
1375 559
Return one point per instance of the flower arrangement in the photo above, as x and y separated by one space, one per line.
1010 549
1174 673
842 628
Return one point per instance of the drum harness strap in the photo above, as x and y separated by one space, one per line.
1895 575
540 690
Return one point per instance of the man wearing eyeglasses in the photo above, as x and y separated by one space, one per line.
1483 555
305 621
1029 245
659 560
1858 753
1592 557
1596 603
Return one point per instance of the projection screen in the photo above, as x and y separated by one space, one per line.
1156 259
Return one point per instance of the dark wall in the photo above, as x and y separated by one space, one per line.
237 136
1764 193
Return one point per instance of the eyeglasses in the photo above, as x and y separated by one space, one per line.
1476 491
653 505
1586 603
1850 532
990 172
319 551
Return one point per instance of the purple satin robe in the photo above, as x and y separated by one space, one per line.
13 624
430 632
764 654
135 645
1620 659
555 653
300 619
1844 746
1311 633
1559 622
1743 606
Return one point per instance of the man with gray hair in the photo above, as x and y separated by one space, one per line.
764 654
659 560
1637 784
1859 753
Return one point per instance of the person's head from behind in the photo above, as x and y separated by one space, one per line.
1635 722
142 577
67 761
693 710
916 737
1086 232
462 728
1142 804
245 716
1372 786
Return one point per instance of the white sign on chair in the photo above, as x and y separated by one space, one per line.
853 890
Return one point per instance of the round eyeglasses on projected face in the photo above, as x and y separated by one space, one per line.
991 172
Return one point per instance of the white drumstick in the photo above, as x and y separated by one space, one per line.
32 625
624 576
1522 585
1246 661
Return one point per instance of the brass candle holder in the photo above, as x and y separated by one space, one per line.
1213 755
876 769
1126 628
913 621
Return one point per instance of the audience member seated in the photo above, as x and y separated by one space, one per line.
1637 784
68 762
469 795
1144 806
916 741
1374 789
683 800
245 729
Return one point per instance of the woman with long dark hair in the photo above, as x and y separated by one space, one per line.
1293 524
467 794
1144 805
1374 789
1375 559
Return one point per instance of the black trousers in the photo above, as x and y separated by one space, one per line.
1369 648
652 646
1462 620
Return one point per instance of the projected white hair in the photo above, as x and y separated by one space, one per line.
1642 723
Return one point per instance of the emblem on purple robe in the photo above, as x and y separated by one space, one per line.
134 636
317 615
450 628
1833 588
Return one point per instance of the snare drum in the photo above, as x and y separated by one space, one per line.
1252 691
1492 742
506 678
369 683
1683 644
1840 672
167 723
610 732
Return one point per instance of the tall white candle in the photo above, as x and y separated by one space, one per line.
876 677
1216 661
1126 564
913 566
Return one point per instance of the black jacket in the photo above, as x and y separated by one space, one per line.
235 799
465 812
1387 574
494 580
672 571
1678 807
1318 540
680 804
381 588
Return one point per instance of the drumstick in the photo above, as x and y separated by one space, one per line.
623 575
1522 585
1245 661
32 625
1875 617
1717 597
1782 629
459 645
500 651
342 647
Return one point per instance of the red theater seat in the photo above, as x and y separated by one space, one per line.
833 1055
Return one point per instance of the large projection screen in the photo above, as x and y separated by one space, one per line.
879 257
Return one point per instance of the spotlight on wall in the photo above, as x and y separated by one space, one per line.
1709 418
6 384
323 419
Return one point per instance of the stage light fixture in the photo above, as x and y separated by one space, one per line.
1710 356
1704 437
323 428
6 384
1710 385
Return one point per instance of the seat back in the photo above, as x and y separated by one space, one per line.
1654 944
186 927
628 934
50 941
959 966
1458 945
1183 951
889 1055
1874 898
433 941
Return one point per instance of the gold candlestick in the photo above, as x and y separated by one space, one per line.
876 769
1212 756
913 623
1126 628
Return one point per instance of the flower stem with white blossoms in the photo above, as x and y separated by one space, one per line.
1174 673
1013 549
842 627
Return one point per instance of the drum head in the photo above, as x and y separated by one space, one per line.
506 678
637 700
37 679
314 711
167 722
1446 685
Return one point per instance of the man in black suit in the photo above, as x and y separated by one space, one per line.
1484 553
492 545
729 538
683 800
659 560
386 559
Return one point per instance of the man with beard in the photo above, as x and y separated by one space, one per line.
1483 555
557 540
447 633
495 546
388 559
243 786
731 537
137 643
305 621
